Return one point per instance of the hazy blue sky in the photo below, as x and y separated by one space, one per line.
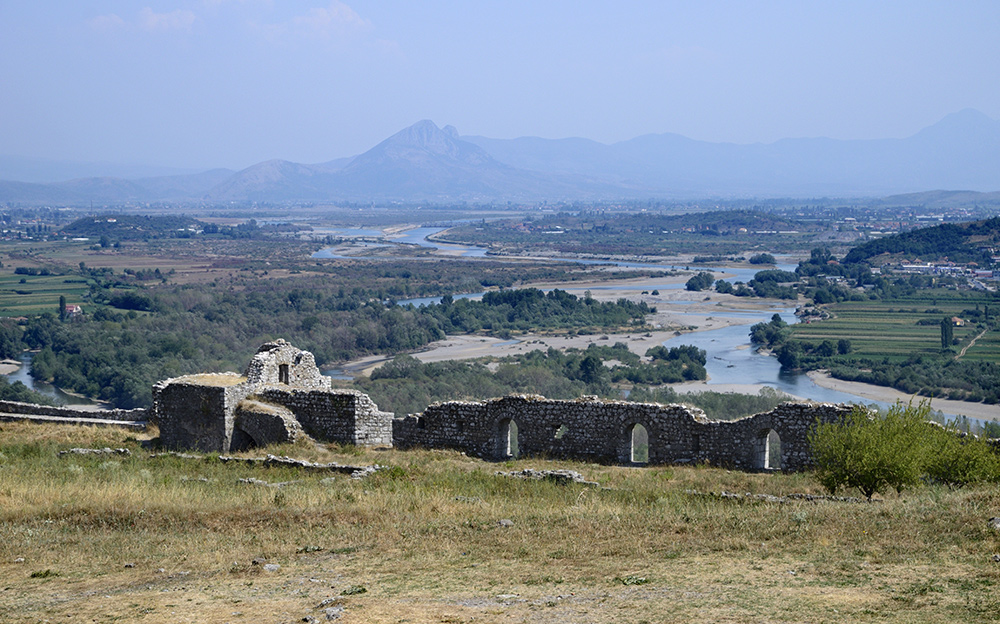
232 82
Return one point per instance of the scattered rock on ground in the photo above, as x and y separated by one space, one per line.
262 483
559 476
96 451
356 472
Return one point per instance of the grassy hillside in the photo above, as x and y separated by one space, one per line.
441 538
948 241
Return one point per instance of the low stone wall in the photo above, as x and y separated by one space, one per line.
343 416
602 431
123 415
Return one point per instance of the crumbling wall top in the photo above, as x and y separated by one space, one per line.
280 363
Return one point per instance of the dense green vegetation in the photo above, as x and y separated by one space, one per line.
875 452
721 233
17 391
174 330
717 405
131 227
966 242
407 385
109 229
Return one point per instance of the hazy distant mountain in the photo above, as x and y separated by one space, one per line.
114 190
943 199
427 163
420 163
962 151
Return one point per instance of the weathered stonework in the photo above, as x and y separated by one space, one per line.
280 396
122 415
602 431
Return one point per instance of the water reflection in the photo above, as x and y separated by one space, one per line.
60 397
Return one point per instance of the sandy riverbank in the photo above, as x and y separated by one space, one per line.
9 366
891 395
678 311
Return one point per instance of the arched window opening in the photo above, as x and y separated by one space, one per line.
508 439
768 451
640 445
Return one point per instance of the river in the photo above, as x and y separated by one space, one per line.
731 360
22 374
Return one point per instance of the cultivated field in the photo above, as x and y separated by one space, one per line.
889 328
440 537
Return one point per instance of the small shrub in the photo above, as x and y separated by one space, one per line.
354 589
632 580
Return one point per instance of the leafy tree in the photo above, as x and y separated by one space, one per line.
872 452
762 258
769 334
701 281
958 459
947 333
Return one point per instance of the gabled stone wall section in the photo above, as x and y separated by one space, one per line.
279 363
601 431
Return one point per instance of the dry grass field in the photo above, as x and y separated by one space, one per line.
439 537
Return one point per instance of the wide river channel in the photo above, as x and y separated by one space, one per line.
730 358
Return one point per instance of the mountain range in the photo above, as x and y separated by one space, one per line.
426 163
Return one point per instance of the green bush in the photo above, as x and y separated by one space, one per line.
874 452
958 459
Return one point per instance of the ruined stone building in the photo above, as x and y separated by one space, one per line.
282 394
616 432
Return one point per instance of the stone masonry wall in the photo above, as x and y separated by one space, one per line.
16 407
196 416
299 367
344 416
601 431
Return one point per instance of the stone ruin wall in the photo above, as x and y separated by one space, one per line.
280 395
123 415
344 416
195 416
601 431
